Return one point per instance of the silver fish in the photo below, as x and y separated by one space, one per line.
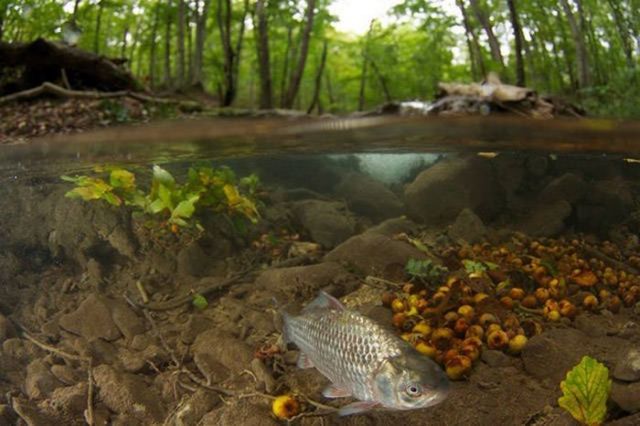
362 359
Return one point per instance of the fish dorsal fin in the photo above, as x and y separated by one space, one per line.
304 361
325 301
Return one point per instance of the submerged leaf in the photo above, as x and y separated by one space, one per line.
121 178
199 301
585 392
162 176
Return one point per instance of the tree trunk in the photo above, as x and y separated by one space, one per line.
517 33
264 62
332 99
189 51
623 33
475 54
167 47
285 67
494 45
180 44
152 53
365 67
201 31
96 38
231 60
123 46
318 82
296 77
582 56
3 13
383 81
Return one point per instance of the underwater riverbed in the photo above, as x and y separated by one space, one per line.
139 268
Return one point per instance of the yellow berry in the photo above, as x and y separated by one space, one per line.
285 407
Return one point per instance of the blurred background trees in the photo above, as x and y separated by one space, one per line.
289 53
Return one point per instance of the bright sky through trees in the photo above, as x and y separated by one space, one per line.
356 15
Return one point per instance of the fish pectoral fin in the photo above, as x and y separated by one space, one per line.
357 407
304 361
324 301
335 391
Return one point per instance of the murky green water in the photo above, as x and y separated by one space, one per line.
355 207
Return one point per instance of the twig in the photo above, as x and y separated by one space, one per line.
181 300
53 349
65 80
374 281
594 252
89 412
143 293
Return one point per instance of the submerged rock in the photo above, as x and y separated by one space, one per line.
628 367
39 382
223 349
125 393
375 254
304 282
391 227
240 412
468 227
626 396
369 197
546 219
551 354
70 399
328 223
568 187
443 190
99 317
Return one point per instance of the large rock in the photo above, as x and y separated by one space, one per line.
626 396
551 354
442 191
223 349
391 227
369 197
328 223
304 282
39 382
628 367
70 399
99 317
568 187
546 219
125 393
375 254
606 203
468 227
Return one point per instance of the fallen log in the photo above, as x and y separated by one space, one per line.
43 60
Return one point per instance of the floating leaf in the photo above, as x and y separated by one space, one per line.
585 392
199 301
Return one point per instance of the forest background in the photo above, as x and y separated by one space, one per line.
290 54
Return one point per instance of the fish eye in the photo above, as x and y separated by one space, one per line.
414 390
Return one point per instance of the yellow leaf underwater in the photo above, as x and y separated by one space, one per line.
585 392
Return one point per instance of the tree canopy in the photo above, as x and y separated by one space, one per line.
288 53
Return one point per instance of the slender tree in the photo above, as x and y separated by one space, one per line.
296 77
96 37
482 18
231 53
201 31
478 70
264 62
167 46
519 42
582 55
315 100
180 47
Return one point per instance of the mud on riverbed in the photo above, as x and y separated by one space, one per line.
79 343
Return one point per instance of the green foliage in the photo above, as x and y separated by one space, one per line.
585 392
473 266
425 270
172 203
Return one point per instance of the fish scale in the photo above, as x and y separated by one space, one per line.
344 346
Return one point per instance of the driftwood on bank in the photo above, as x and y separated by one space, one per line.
47 61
